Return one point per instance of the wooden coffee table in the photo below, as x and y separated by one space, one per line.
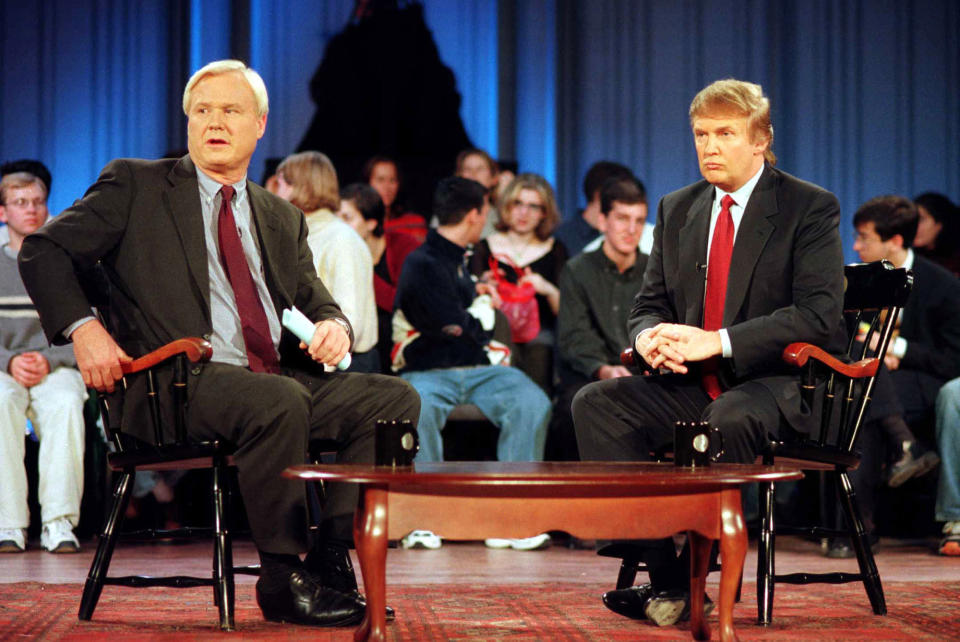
590 500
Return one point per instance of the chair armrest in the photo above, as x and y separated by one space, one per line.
628 358
194 348
797 354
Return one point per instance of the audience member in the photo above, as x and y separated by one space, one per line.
523 250
309 181
720 340
478 165
596 294
938 232
921 357
947 508
383 174
38 382
362 209
576 231
193 248
445 321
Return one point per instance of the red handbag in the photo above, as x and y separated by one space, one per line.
519 302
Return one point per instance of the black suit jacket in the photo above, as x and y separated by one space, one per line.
931 322
141 222
785 283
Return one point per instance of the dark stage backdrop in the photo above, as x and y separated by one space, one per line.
866 93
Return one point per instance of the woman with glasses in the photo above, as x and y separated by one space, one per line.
524 250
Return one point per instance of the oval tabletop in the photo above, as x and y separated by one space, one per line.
500 473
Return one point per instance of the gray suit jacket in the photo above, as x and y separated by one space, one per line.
141 223
785 283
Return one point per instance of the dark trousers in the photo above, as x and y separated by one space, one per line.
625 419
272 418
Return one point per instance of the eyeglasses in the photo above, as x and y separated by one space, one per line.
536 207
23 203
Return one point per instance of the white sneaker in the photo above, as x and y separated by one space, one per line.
421 539
534 543
57 537
13 540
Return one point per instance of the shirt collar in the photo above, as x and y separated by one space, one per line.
742 195
9 251
908 262
209 187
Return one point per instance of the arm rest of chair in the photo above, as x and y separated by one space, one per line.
797 354
195 349
628 358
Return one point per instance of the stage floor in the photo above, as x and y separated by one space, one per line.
471 563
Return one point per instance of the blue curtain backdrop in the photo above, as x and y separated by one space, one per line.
864 92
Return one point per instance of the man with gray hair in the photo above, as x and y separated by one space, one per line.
193 248
717 331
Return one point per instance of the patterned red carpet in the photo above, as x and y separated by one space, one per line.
918 611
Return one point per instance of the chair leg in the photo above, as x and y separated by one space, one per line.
222 554
765 556
858 536
628 573
108 540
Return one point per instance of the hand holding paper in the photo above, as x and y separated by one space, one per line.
295 321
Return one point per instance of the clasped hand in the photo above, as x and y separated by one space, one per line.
671 345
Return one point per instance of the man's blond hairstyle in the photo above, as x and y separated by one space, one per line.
313 179
219 67
18 180
740 96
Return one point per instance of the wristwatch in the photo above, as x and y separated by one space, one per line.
342 323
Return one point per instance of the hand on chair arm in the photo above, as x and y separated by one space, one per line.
98 356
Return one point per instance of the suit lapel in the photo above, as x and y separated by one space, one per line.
693 255
270 233
183 203
756 226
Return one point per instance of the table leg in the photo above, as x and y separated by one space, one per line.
370 538
733 550
699 563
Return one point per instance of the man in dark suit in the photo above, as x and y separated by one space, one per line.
767 246
190 247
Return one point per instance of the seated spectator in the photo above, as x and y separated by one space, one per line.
922 356
948 490
309 181
478 165
596 295
524 250
383 175
362 209
938 232
39 382
444 321
576 231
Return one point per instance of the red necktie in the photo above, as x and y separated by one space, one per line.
718 268
256 331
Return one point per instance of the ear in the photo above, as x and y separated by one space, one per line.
3 214
602 223
896 239
370 224
261 126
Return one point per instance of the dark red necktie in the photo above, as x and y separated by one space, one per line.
253 320
718 268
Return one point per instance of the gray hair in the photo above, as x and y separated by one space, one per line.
225 66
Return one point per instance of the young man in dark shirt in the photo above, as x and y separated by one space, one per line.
448 322
596 295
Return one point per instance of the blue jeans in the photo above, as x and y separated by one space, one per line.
506 396
948 442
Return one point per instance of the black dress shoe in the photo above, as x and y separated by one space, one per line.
841 548
663 608
332 567
629 602
304 601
